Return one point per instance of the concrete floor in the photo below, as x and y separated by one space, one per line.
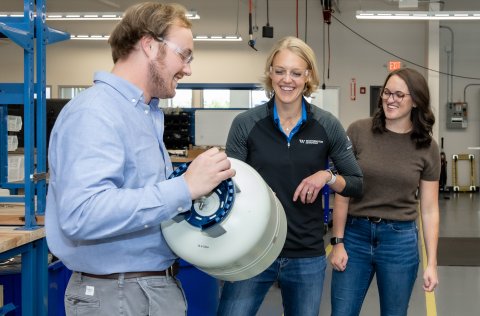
459 290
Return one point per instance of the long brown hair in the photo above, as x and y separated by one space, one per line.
421 115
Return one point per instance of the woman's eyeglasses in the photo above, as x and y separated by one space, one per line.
280 72
397 95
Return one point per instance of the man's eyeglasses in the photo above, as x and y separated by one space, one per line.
294 73
397 95
185 54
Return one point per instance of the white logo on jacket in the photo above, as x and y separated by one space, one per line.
310 141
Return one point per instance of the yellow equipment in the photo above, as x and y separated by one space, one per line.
464 188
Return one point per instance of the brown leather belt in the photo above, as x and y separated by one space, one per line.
170 271
373 219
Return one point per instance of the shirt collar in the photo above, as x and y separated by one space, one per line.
128 90
276 118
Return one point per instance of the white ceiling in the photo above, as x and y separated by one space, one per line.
218 16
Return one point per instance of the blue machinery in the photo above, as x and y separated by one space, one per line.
32 34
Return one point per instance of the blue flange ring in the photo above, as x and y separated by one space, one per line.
212 208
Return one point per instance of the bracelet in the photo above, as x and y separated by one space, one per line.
333 178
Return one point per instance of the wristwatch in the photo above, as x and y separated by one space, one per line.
333 178
336 240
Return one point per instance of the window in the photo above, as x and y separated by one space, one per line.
212 96
217 96
69 92
258 97
182 99
48 92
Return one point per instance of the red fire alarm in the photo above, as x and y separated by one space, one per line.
363 90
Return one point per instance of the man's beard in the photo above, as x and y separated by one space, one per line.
160 89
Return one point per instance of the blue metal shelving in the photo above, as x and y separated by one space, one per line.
32 34
23 31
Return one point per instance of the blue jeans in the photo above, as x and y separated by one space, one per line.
300 281
388 249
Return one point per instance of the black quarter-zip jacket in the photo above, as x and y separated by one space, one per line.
255 139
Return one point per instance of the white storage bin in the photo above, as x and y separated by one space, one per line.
12 142
14 123
16 168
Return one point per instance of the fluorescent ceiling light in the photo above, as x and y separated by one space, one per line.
219 38
86 16
193 15
12 15
89 37
418 15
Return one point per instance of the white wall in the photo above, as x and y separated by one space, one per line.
466 63
73 63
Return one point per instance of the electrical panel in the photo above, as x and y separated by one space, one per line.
457 117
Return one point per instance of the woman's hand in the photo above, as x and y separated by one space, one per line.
338 257
309 189
430 278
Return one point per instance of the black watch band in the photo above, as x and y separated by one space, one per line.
336 240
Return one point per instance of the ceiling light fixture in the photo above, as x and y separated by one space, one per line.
418 15
218 38
89 37
193 15
86 16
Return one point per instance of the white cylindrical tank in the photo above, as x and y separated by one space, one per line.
234 233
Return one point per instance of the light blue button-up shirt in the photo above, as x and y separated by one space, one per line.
108 191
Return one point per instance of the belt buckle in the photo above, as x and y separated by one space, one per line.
169 271
374 219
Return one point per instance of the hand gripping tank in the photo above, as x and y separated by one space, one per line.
235 232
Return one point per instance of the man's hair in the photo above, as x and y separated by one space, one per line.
145 19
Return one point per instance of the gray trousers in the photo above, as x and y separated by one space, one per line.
156 295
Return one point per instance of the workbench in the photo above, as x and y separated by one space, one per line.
13 214
32 246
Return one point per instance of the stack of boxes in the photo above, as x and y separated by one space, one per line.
16 160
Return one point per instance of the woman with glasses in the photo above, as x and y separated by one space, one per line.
289 141
398 158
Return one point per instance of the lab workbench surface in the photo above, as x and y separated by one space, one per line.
13 236
32 246
14 214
